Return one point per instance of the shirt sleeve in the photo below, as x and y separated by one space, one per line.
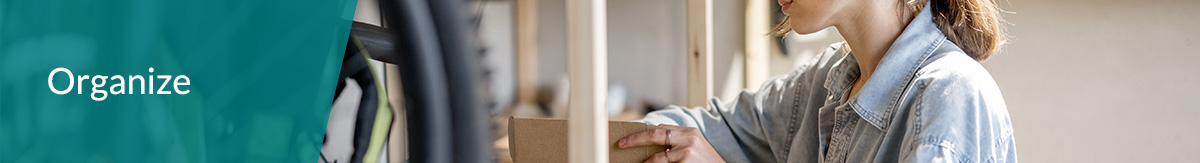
959 116
737 130
756 126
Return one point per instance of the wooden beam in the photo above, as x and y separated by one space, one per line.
758 43
397 136
527 50
587 59
699 44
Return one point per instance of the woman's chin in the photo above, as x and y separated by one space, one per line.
804 30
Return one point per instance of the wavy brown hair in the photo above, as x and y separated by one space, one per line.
974 25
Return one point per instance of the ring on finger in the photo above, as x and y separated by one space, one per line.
667 154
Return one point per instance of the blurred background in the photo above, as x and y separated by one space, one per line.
1084 80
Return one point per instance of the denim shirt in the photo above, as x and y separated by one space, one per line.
926 102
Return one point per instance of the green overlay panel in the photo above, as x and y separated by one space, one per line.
255 79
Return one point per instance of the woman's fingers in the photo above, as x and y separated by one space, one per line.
673 155
659 157
653 136
686 144
678 136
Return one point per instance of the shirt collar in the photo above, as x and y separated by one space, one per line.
877 98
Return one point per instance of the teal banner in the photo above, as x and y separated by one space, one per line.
168 80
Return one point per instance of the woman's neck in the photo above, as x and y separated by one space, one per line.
869 32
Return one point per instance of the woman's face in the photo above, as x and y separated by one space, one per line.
808 16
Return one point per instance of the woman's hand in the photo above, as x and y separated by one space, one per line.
684 144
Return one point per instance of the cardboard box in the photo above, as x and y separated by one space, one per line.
545 140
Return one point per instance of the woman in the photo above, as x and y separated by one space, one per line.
906 86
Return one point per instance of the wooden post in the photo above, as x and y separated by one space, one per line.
758 43
699 44
587 59
527 52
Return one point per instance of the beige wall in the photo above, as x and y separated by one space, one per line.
1103 81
